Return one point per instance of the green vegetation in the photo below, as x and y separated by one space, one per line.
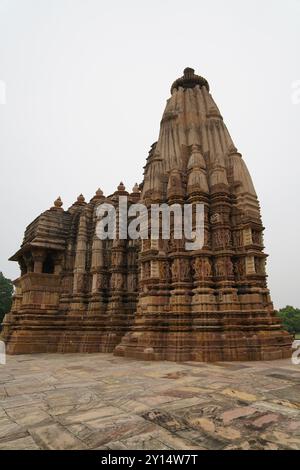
6 292
290 317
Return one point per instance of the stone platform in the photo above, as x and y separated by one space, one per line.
98 401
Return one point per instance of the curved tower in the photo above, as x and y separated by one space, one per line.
155 299
210 304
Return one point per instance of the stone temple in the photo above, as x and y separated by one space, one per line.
153 299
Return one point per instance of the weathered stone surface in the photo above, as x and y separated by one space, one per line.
36 416
9 428
24 443
155 300
265 421
89 415
129 404
56 437
237 413
238 394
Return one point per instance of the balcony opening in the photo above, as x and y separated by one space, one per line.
48 265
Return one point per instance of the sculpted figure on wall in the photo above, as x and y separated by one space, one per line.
181 270
237 238
117 281
102 281
164 270
175 268
239 268
202 267
229 267
146 270
256 237
80 283
131 282
185 270
220 269
260 266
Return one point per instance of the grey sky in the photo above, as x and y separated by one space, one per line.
86 85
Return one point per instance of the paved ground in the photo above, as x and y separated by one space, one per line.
98 401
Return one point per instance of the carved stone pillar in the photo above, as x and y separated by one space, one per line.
39 257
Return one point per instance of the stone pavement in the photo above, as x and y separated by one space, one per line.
98 401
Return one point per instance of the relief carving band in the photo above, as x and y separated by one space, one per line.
202 268
79 294
221 238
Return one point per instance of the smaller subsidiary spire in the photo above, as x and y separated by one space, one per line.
136 192
99 192
98 195
121 187
81 199
136 188
57 204
196 159
175 187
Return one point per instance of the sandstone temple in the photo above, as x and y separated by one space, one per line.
152 299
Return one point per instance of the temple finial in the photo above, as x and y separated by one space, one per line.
57 205
81 199
121 186
99 192
58 202
189 80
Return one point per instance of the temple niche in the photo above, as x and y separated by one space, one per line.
154 299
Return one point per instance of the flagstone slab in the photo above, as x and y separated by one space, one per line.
9 428
22 416
99 401
56 437
23 443
98 433
236 413
89 415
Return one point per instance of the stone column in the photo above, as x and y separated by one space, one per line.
39 257
80 265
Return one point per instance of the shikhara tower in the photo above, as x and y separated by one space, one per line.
154 299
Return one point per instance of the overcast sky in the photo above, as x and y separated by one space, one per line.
86 84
